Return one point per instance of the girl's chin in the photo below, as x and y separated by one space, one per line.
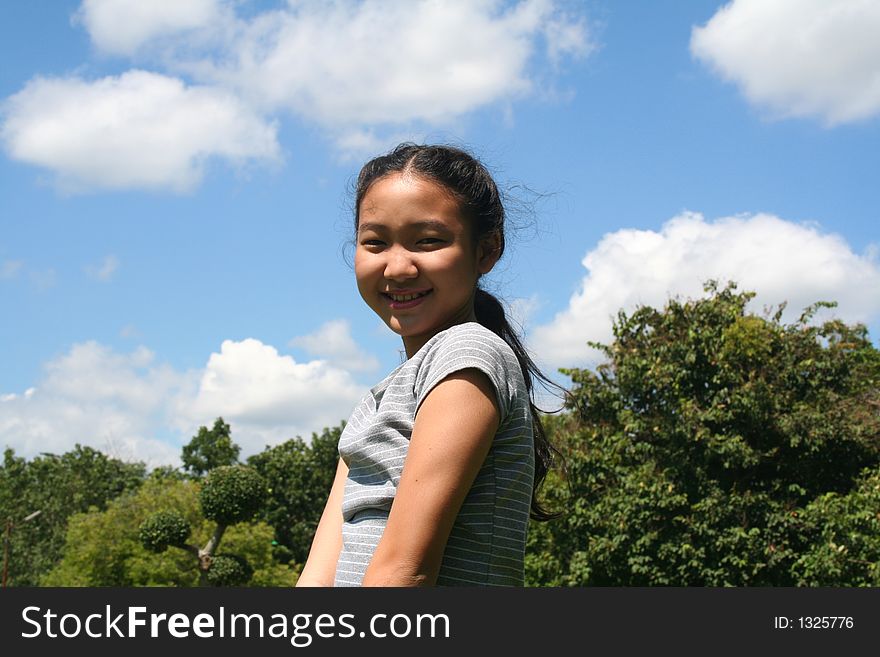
403 330
406 329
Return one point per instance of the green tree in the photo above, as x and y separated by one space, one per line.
845 532
104 548
58 487
298 477
229 494
210 449
714 447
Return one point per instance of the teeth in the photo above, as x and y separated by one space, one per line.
405 297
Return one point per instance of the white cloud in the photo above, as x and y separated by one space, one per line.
10 269
568 36
138 130
798 57
353 66
26 395
104 271
268 397
373 63
361 143
39 279
365 71
780 260
42 279
93 396
333 342
136 408
122 27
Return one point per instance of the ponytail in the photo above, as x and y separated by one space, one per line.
490 313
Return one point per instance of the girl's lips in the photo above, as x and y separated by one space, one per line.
410 303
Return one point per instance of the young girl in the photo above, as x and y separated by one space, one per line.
440 462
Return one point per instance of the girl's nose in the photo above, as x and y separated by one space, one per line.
400 265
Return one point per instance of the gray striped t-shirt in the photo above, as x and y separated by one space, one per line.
487 540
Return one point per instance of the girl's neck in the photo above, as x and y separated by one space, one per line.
412 344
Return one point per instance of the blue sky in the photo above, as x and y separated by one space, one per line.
174 183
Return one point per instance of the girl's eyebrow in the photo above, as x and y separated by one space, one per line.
426 224
364 225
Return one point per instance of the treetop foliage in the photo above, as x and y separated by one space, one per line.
210 449
58 486
706 446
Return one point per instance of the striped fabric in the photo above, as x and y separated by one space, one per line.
487 541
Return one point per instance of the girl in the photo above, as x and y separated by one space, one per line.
440 462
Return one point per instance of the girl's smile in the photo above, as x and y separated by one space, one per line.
415 262
402 299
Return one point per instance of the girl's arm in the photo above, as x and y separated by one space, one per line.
320 568
452 434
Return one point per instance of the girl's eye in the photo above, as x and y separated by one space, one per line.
372 243
430 241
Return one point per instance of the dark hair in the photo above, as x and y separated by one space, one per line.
473 186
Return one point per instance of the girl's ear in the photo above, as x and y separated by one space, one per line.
488 252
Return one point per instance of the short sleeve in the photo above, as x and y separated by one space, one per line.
464 347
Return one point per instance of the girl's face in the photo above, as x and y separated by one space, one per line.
415 262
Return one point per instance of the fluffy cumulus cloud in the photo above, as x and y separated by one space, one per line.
133 407
93 396
782 261
798 57
357 67
352 64
333 342
122 27
139 129
365 71
268 397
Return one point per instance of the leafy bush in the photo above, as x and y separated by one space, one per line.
229 570
232 493
103 548
162 529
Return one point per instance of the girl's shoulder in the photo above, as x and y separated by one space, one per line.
470 345
469 337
